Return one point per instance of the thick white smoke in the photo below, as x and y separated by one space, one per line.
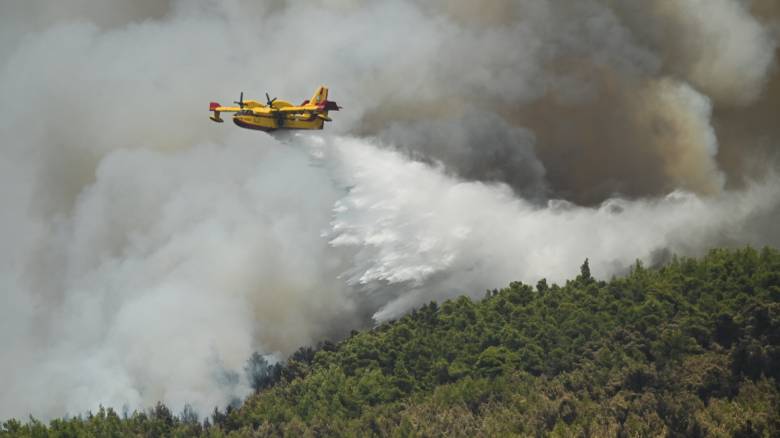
147 252
170 270
412 224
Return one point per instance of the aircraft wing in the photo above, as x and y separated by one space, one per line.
259 110
226 109
327 106
300 109
296 110
216 108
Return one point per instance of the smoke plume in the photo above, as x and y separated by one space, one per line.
148 252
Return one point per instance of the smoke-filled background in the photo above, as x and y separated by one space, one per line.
147 252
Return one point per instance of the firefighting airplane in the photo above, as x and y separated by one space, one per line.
278 114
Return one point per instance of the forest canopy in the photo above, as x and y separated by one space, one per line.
691 348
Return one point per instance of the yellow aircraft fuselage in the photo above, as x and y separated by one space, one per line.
271 122
279 114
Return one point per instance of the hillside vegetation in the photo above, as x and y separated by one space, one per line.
689 349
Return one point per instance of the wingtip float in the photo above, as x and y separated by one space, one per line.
278 114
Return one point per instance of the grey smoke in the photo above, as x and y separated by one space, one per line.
481 145
148 252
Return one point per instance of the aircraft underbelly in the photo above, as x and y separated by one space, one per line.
272 124
250 125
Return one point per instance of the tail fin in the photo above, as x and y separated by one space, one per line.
320 96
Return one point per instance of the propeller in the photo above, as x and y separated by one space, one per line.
240 102
269 100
